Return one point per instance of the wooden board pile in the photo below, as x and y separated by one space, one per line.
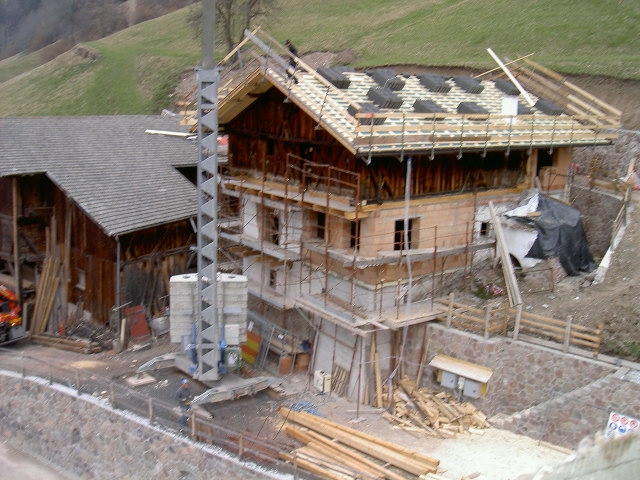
77 345
437 414
46 294
336 452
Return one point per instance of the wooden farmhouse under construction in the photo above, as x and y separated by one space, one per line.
96 213
352 200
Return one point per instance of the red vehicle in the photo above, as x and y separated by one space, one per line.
11 327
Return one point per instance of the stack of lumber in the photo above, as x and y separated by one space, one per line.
71 344
46 293
336 452
437 414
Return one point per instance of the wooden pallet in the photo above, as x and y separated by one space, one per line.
339 380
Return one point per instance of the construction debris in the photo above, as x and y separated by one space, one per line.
336 452
436 414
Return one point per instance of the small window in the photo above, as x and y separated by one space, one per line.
275 227
355 235
484 229
545 159
321 225
399 242
273 278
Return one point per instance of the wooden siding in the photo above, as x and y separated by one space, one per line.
147 258
265 135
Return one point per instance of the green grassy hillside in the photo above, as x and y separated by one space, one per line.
136 69
589 36
132 71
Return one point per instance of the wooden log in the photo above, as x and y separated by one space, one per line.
449 414
405 459
432 414
349 458
311 467
406 424
322 459
421 407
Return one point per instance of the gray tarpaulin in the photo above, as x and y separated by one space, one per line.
560 234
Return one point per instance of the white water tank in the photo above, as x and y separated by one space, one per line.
232 294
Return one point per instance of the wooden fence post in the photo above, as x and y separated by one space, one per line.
516 327
599 330
487 319
567 334
151 410
450 310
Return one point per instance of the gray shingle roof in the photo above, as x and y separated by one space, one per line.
122 177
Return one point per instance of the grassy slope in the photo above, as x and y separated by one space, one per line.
19 64
135 72
138 67
591 36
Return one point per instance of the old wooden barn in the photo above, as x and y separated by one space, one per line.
99 206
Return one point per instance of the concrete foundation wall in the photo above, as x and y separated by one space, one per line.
87 438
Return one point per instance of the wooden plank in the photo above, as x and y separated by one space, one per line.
507 266
329 463
349 458
310 466
408 460
423 360
376 366
79 346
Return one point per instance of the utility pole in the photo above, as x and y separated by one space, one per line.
209 342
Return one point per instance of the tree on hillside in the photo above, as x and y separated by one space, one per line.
233 17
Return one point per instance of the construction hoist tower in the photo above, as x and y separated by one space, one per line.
207 357
208 338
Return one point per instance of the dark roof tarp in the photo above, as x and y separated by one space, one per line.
561 235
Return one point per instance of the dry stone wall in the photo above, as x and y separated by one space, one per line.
537 391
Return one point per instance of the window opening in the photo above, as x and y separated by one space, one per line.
355 235
321 225
398 239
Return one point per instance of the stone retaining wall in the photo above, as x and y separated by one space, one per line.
87 438
527 375
575 415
